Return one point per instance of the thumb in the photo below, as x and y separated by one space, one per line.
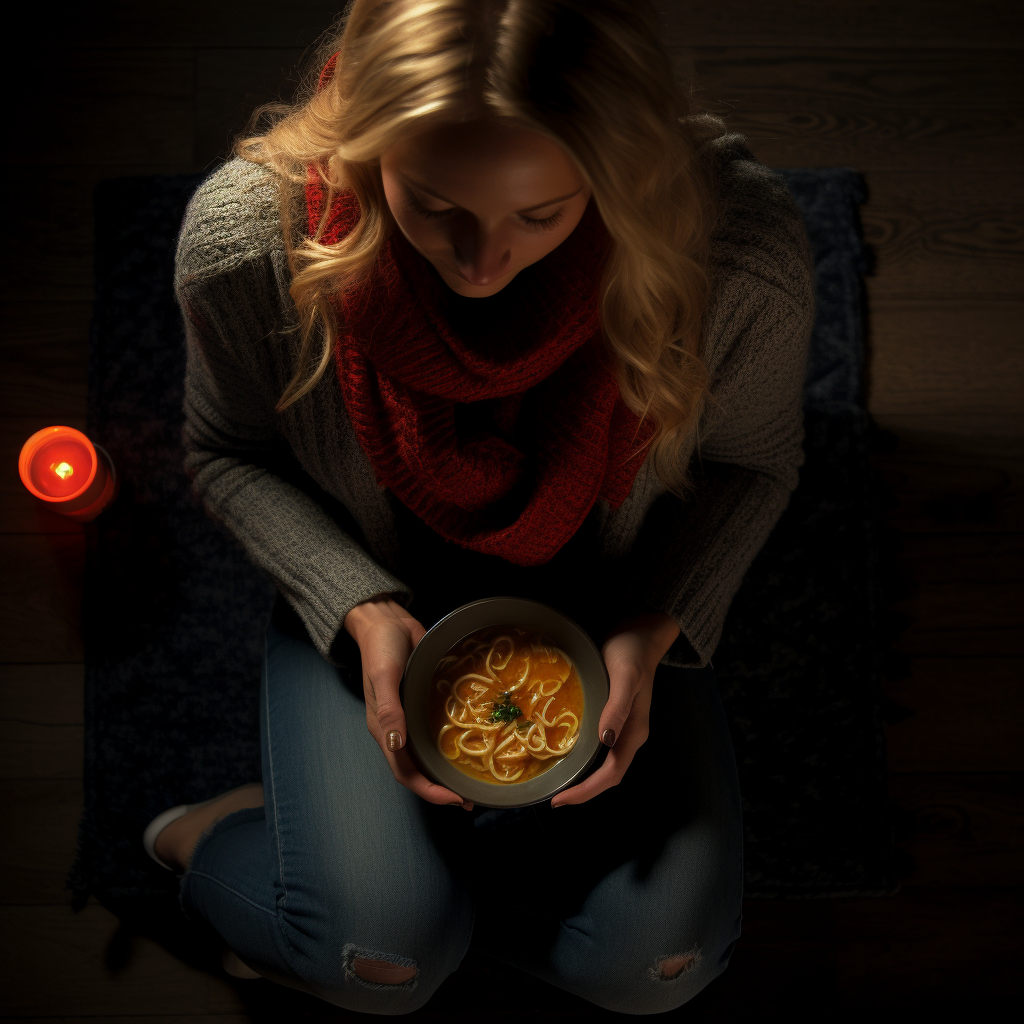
384 670
624 677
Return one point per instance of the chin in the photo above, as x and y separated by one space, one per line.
475 291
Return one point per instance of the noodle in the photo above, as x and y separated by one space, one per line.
505 705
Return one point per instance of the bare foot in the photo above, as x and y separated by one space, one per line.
175 843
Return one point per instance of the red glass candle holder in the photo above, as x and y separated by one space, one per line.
64 469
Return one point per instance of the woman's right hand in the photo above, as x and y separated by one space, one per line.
386 634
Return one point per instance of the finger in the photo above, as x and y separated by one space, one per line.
406 772
416 632
609 774
625 679
611 771
383 672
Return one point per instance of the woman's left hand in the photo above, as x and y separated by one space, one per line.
631 654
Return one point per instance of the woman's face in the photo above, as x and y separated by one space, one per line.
483 200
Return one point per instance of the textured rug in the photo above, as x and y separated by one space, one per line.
175 611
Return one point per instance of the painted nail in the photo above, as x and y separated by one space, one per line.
608 737
394 739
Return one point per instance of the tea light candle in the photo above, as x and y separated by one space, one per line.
64 469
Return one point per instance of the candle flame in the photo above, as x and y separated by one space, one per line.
63 469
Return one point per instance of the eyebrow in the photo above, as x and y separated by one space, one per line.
529 209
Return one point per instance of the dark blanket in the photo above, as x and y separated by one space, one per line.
175 611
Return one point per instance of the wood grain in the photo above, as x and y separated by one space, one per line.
126 106
41 721
891 110
941 366
950 484
957 715
52 261
811 23
38 839
230 85
198 1018
945 234
961 829
41 597
964 558
58 958
927 947
964 620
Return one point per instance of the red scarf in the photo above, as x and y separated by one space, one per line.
545 432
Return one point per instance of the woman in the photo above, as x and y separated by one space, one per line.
488 312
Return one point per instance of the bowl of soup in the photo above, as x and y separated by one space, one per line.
502 701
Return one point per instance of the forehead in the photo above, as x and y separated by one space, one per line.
482 155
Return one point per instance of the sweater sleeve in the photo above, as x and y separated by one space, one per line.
240 465
690 555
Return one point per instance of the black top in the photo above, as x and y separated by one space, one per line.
444 575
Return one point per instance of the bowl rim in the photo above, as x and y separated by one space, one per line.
470 788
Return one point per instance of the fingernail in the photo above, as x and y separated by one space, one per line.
456 803
608 737
394 739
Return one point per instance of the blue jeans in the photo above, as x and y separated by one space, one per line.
344 862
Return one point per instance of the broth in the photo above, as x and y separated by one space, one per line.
505 704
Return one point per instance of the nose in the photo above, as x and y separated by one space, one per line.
482 255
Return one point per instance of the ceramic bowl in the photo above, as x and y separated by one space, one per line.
499 611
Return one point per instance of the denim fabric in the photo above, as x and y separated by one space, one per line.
344 862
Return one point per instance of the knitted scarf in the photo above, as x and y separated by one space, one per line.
499 428
502 436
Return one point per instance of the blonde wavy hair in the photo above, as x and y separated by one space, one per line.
589 74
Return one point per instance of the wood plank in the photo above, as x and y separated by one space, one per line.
964 829
964 558
827 23
47 381
946 234
926 947
953 367
41 598
963 620
230 85
198 1018
58 957
38 839
52 262
125 107
965 596
26 325
41 721
892 110
946 23
44 352
20 512
948 484
958 715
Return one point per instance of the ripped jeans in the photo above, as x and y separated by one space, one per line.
630 900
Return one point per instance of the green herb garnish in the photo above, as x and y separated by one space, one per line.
505 710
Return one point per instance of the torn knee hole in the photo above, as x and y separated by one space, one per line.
672 966
382 971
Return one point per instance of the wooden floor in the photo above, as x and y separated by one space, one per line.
925 99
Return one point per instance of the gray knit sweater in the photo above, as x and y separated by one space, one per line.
297 490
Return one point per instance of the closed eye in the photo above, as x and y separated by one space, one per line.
533 223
